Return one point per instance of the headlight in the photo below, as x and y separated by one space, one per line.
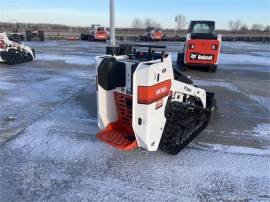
2 44
191 46
214 47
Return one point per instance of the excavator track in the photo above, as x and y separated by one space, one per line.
184 122
12 57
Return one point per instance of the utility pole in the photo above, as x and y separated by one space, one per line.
112 23
113 49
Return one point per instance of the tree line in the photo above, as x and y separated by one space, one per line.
182 22
238 25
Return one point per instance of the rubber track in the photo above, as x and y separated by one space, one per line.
184 123
12 57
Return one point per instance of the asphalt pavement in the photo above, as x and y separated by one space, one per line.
48 149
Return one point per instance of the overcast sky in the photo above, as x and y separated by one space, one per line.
87 12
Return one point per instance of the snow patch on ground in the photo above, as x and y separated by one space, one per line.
81 74
70 59
51 161
230 149
223 84
58 158
47 139
242 59
262 100
262 131
263 54
6 85
245 46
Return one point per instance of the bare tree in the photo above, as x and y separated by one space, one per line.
148 22
158 26
181 22
235 25
267 28
244 28
257 27
137 23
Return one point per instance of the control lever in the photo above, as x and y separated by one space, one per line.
131 56
162 55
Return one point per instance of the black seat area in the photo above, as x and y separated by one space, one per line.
111 74
147 56
14 38
181 77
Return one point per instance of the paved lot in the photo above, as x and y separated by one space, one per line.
49 151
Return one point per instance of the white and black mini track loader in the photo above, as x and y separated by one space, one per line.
14 52
143 103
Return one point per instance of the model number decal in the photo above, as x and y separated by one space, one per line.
150 94
187 89
161 90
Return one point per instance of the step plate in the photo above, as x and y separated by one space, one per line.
118 137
